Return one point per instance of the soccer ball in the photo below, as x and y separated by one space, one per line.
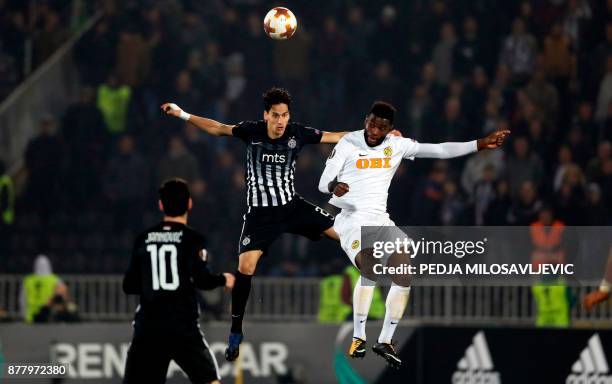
280 23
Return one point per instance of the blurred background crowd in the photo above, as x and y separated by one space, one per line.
455 71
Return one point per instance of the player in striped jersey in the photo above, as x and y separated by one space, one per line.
274 207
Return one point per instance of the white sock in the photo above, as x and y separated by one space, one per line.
396 302
362 298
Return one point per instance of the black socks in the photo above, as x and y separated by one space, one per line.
240 295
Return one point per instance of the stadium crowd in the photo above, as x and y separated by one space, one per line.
541 68
31 31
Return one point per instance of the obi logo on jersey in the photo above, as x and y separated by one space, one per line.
273 158
376 162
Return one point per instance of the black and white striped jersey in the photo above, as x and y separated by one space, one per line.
270 163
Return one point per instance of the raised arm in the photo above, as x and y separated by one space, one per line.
450 150
212 127
332 137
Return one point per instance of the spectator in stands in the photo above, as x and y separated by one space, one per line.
419 108
579 146
442 55
604 97
384 82
9 74
451 126
58 310
429 196
602 52
44 156
7 209
7 201
544 96
525 210
522 165
133 57
498 211
40 287
209 77
95 54
51 37
126 184
584 121
519 52
594 170
113 102
596 213
453 210
569 198
564 161
474 170
484 193
178 162
469 52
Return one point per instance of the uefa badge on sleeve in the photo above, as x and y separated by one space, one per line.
246 241
292 143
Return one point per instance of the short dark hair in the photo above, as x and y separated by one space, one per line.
383 110
174 195
275 96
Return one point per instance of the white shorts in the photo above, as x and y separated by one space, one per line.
348 227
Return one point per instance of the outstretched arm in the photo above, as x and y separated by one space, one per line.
450 150
212 127
332 137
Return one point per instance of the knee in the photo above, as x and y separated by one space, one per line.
247 263
247 268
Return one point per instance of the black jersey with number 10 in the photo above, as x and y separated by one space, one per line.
168 264
270 163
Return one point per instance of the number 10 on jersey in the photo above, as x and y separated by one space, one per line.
159 267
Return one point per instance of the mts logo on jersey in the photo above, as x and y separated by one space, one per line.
376 162
273 158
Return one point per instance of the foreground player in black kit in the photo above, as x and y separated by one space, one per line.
168 264
272 146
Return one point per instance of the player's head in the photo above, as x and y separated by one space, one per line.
277 103
379 122
174 197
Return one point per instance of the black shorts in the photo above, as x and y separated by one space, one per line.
149 356
262 225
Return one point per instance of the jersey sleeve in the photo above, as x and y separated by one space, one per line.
244 130
202 277
334 164
309 135
132 281
408 147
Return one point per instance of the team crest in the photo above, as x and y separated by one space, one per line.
388 151
355 244
246 240
292 143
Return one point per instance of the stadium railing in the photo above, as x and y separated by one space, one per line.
100 298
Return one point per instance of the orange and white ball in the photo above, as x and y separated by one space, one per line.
280 23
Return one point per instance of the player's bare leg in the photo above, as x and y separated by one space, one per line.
603 293
247 263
